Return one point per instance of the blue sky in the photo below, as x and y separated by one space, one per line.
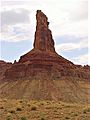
11 51
68 23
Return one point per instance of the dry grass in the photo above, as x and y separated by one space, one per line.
42 110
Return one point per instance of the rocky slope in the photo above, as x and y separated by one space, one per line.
43 74
65 89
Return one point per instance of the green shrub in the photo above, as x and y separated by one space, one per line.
86 110
8 118
23 118
42 116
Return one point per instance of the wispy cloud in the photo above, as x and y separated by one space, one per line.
82 59
16 33
72 46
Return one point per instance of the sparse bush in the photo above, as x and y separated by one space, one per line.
21 101
42 118
8 118
19 109
86 110
5 100
48 107
1 107
42 103
48 102
23 118
12 111
28 105
67 118
67 106
55 111
74 114
33 108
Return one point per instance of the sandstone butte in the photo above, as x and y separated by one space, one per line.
42 62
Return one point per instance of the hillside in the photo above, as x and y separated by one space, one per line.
67 90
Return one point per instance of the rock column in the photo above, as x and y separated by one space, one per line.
43 36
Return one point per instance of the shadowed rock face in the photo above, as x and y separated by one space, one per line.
42 62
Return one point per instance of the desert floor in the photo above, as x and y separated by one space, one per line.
42 110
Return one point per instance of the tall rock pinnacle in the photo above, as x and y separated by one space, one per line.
43 36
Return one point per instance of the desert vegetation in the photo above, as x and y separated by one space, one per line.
42 110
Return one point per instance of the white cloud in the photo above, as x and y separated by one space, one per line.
15 25
75 28
80 11
72 46
10 17
82 59
67 47
18 32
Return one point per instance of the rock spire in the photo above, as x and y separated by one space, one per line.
43 36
